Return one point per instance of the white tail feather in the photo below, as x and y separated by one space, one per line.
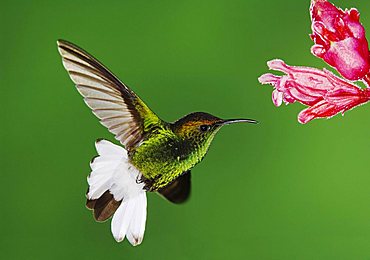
129 220
112 171
122 218
136 229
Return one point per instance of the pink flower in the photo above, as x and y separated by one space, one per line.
340 39
324 93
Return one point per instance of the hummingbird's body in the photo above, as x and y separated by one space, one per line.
169 151
158 156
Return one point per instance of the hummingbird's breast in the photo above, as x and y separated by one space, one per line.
163 157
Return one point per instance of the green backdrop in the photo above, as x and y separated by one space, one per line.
277 190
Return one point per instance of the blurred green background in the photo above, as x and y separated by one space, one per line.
278 190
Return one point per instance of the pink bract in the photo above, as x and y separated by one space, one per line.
324 93
340 39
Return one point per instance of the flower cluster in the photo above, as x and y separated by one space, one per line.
340 41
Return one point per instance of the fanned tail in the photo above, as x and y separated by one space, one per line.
113 190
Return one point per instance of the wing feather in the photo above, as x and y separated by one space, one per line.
118 107
179 190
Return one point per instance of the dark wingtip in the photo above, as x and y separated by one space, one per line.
68 46
62 43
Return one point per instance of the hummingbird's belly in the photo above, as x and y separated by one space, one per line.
161 164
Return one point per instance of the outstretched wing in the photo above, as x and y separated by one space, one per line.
118 107
179 190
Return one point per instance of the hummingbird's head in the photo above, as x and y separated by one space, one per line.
200 128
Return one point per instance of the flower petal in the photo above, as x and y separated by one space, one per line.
302 84
324 93
340 39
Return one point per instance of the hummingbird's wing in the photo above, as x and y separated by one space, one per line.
118 107
179 190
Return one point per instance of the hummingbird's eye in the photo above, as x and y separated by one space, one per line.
204 128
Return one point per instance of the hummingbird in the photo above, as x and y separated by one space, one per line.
155 156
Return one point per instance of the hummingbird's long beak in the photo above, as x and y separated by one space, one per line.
233 121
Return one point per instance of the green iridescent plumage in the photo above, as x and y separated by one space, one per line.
172 149
163 152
